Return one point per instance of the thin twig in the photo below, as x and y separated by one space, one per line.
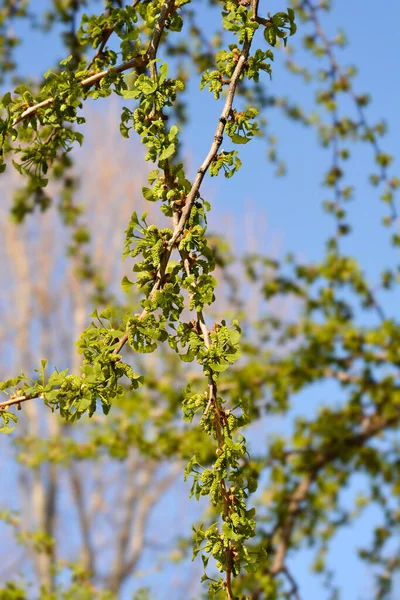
215 146
107 34
135 62
294 590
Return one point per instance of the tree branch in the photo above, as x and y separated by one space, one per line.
370 426
135 62
84 521
107 34
147 502
124 531
215 146
17 400
212 153
294 591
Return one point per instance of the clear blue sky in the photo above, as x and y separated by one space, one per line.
292 205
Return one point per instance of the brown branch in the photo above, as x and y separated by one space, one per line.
135 62
215 146
84 520
285 533
370 426
147 502
264 22
107 34
218 137
159 29
17 400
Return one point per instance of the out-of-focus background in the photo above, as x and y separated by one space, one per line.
134 529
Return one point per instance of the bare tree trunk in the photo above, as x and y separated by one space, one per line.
41 487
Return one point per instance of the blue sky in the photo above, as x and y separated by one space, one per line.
291 205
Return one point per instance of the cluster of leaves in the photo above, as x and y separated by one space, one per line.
307 472
43 125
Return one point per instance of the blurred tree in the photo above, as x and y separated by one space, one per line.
340 332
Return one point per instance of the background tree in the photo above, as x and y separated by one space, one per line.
342 337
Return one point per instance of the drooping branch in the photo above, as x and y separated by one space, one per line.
135 62
192 195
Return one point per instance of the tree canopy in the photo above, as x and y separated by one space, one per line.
217 368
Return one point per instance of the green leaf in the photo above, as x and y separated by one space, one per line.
252 567
6 99
290 12
65 61
6 429
106 313
219 367
227 531
188 357
126 284
148 194
270 35
173 132
20 89
163 72
168 152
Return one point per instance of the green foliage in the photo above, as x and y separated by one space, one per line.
175 281
41 123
